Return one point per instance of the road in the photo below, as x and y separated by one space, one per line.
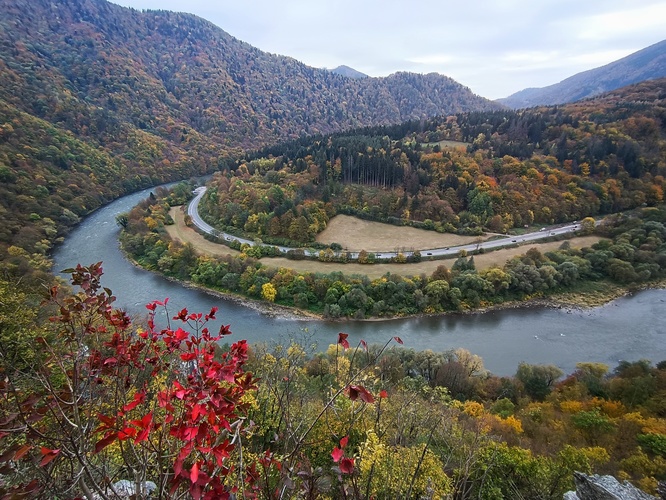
543 233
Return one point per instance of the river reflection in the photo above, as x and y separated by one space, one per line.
630 328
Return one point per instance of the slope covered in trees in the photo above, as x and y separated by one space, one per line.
97 100
598 157
170 73
540 166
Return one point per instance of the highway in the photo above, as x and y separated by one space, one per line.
543 233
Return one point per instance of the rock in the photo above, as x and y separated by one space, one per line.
597 487
127 489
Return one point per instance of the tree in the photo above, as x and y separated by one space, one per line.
268 292
538 380
587 225
156 404
106 398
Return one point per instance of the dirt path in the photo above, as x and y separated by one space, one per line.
362 235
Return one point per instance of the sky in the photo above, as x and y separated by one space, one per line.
494 47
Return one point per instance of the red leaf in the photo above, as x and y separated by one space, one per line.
342 340
142 436
343 441
48 456
383 394
180 391
224 330
103 443
364 344
358 391
109 421
139 397
194 473
398 340
347 465
211 314
337 454
126 433
188 356
22 451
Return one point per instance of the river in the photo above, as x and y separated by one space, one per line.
630 328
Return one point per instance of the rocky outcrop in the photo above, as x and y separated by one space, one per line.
597 487
128 489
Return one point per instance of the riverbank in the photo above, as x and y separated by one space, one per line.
593 294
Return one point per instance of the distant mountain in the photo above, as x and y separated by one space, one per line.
646 64
348 72
168 73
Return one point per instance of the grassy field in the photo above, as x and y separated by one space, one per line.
385 233
357 234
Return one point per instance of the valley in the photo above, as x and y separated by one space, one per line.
357 335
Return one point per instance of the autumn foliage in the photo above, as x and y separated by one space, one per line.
96 397
108 400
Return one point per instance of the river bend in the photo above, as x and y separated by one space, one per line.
629 328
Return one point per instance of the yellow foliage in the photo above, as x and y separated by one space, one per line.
151 223
295 351
15 251
268 292
613 409
639 465
473 409
250 398
514 424
648 485
634 417
571 407
596 455
390 470
653 425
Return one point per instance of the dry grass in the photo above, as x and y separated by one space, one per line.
357 234
362 234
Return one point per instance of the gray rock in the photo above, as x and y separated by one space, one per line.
127 489
597 487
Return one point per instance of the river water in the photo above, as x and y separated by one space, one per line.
630 328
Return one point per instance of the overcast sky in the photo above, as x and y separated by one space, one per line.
494 47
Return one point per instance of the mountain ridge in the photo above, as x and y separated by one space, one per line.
646 64
348 72
138 65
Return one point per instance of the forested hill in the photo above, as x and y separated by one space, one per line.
97 100
510 169
167 73
646 64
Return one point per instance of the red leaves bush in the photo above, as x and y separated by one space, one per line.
113 397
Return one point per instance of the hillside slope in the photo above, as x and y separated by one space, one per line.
646 64
98 100
164 72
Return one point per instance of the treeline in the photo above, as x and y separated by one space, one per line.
632 252
519 168
167 407
50 179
